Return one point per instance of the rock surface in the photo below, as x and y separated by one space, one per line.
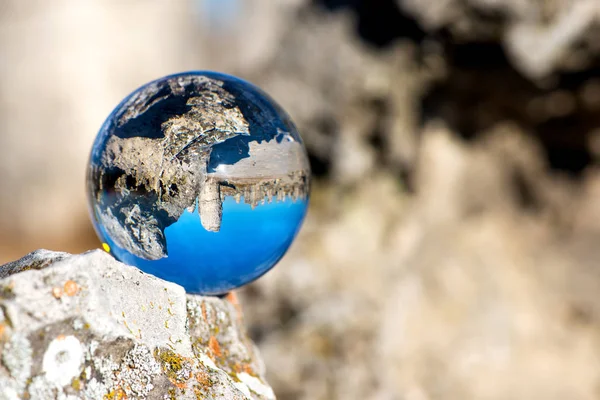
89 327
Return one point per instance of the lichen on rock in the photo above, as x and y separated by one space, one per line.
89 327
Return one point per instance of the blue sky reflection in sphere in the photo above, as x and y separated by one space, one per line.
199 178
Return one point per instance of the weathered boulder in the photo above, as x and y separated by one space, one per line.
89 327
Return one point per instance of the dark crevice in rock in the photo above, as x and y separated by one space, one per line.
379 22
483 89
320 167
525 194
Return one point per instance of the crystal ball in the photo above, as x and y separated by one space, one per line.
198 178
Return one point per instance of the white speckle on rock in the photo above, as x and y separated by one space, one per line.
8 393
107 368
77 324
241 386
93 346
204 359
94 390
16 356
256 385
62 396
62 360
41 389
137 371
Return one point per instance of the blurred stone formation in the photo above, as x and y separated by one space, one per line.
451 246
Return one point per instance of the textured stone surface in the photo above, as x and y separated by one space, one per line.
88 327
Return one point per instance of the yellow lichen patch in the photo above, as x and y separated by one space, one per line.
172 393
71 288
171 361
116 394
174 366
199 393
76 384
137 335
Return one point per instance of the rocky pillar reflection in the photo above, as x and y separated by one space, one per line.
210 207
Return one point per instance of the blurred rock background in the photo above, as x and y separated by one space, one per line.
451 249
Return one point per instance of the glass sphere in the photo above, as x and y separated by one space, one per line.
198 178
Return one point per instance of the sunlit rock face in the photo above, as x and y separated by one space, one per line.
88 327
199 178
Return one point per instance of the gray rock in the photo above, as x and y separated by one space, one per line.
89 327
